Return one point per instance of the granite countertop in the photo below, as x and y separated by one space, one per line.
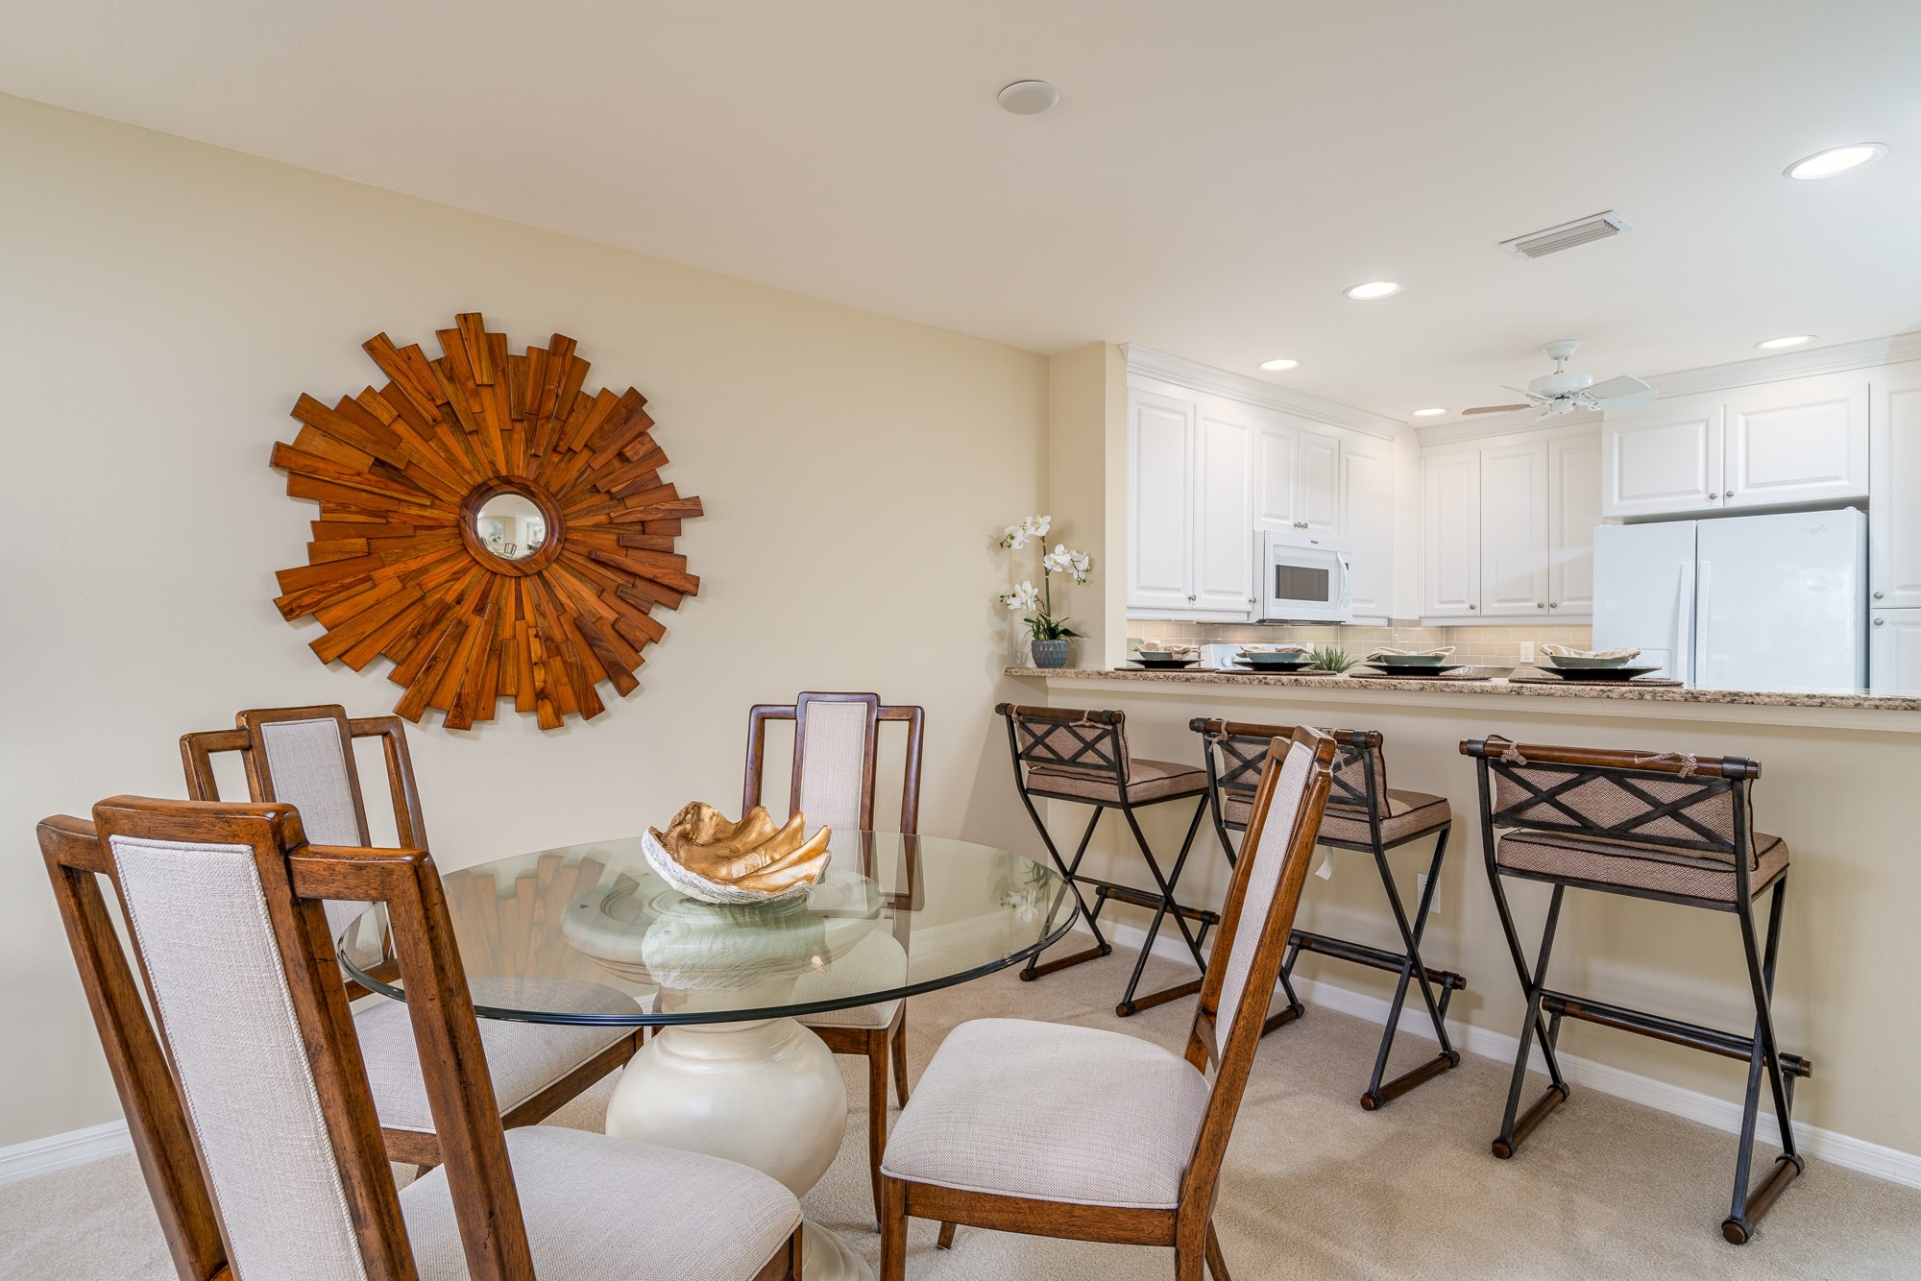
1527 689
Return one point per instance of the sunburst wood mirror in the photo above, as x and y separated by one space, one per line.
488 525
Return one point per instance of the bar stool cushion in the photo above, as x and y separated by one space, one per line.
1408 815
684 1216
1146 781
874 964
522 1058
1637 866
1053 1112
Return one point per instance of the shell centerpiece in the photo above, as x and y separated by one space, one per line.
706 857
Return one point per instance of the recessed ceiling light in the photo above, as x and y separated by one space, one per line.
1793 340
1373 289
1276 366
1826 164
1429 413
1028 97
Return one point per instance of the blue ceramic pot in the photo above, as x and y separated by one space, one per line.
1049 653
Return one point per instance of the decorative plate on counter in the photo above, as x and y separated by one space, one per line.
1462 673
1610 675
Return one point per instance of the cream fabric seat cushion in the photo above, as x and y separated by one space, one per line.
1146 781
874 964
605 1209
1052 1112
1649 867
1408 814
522 1058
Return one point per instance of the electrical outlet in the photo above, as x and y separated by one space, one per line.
1527 653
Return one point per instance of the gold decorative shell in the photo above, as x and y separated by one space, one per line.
397 569
751 859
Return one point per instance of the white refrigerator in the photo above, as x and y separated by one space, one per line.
1743 602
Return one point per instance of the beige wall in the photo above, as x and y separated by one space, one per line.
1839 796
164 303
1087 491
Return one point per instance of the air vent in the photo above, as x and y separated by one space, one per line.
1539 244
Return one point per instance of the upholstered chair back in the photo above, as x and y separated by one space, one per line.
1072 741
836 752
1238 752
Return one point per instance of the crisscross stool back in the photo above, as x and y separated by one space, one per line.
1363 813
1666 826
1064 754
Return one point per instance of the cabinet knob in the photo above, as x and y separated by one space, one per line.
1540 604
1879 595
1473 607
1190 598
1554 604
1879 621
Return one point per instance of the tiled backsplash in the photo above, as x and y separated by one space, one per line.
1484 646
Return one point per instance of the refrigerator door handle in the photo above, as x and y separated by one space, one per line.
1683 650
1703 610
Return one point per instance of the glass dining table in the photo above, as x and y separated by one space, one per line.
590 935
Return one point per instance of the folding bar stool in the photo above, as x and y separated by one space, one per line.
1363 813
1062 754
1662 826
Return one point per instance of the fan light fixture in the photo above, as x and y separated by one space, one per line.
1429 413
1373 290
1028 97
1836 160
1780 344
1276 366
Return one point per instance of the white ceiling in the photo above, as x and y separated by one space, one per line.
1214 175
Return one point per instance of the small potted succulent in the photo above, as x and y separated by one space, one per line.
1049 635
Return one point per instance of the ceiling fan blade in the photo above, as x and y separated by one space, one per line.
1621 388
1494 409
1622 404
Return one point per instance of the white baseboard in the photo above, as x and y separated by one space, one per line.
1721 1114
60 1151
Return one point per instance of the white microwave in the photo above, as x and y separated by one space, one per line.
1303 578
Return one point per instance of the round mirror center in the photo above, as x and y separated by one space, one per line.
511 526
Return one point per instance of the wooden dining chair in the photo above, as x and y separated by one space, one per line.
251 1112
303 756
836 756
1094 1135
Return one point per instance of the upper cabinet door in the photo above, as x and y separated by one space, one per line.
1224 542
1514 532
1160 494
1574 509
1367 521
1274 476
1798 441
1317 469
1894 510
1451 535
1664 460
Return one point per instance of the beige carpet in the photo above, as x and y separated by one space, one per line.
1313 1187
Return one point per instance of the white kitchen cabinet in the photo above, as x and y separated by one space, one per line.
1802 440
1790 443
1297 478
1367 521
1514 532
1160 493
1665 459
1894 651
1451 535
1574 509
1223 548
1894 505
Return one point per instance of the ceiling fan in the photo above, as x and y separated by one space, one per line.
1562 393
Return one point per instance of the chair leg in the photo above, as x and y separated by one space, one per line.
893 1231
899 1056
877 1115
1749 1207
946 1238
1413 969
1216 1265
1069 873
1514 1130
1164 907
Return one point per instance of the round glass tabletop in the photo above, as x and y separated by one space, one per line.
589 934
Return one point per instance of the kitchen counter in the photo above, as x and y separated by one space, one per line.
1855 710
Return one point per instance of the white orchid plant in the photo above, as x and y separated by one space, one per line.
1037 603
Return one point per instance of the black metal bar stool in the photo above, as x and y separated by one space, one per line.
1364 814
1063 754
1662 826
